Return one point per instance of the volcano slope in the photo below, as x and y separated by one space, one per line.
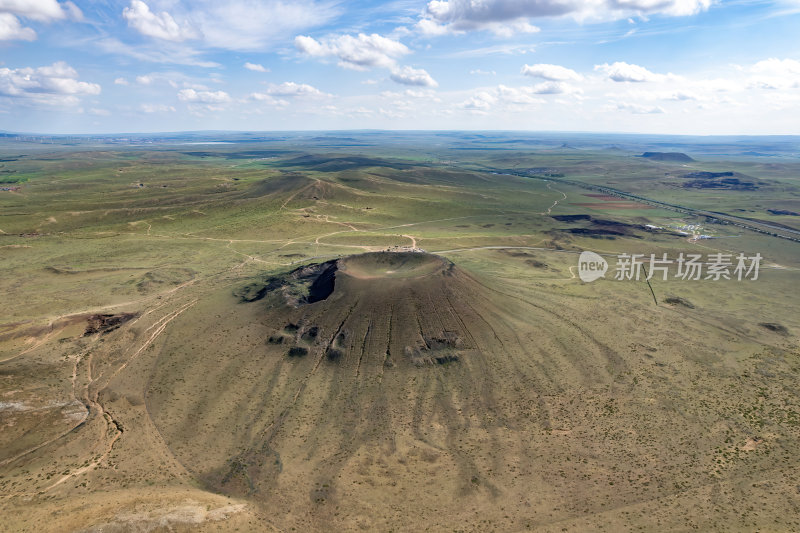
391 381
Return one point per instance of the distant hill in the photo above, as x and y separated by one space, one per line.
721 180
667 156
708 175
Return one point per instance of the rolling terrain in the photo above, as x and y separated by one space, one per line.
388 332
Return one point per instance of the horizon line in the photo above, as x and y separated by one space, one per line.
7 133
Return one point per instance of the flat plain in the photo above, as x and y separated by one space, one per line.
387 331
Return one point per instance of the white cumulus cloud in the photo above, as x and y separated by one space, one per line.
682 96
480 102
54 84
356 52
509 17
640 109
775 65
12 29
291 89
203 97
157 108
676 8
504 99
774 73
255 67
519 96
554 87
230 25
268 99
41 10
413 76
551 72
159 25
621 72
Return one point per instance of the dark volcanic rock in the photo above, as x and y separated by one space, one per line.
304 285
780 329
106 322
677 300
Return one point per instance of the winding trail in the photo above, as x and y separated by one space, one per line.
549 209
284 204
572 273
160 325
88 395
94 464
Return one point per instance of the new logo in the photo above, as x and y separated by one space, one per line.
591 266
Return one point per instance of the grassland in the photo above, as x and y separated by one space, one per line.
488 389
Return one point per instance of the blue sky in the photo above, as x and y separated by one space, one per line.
649 66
